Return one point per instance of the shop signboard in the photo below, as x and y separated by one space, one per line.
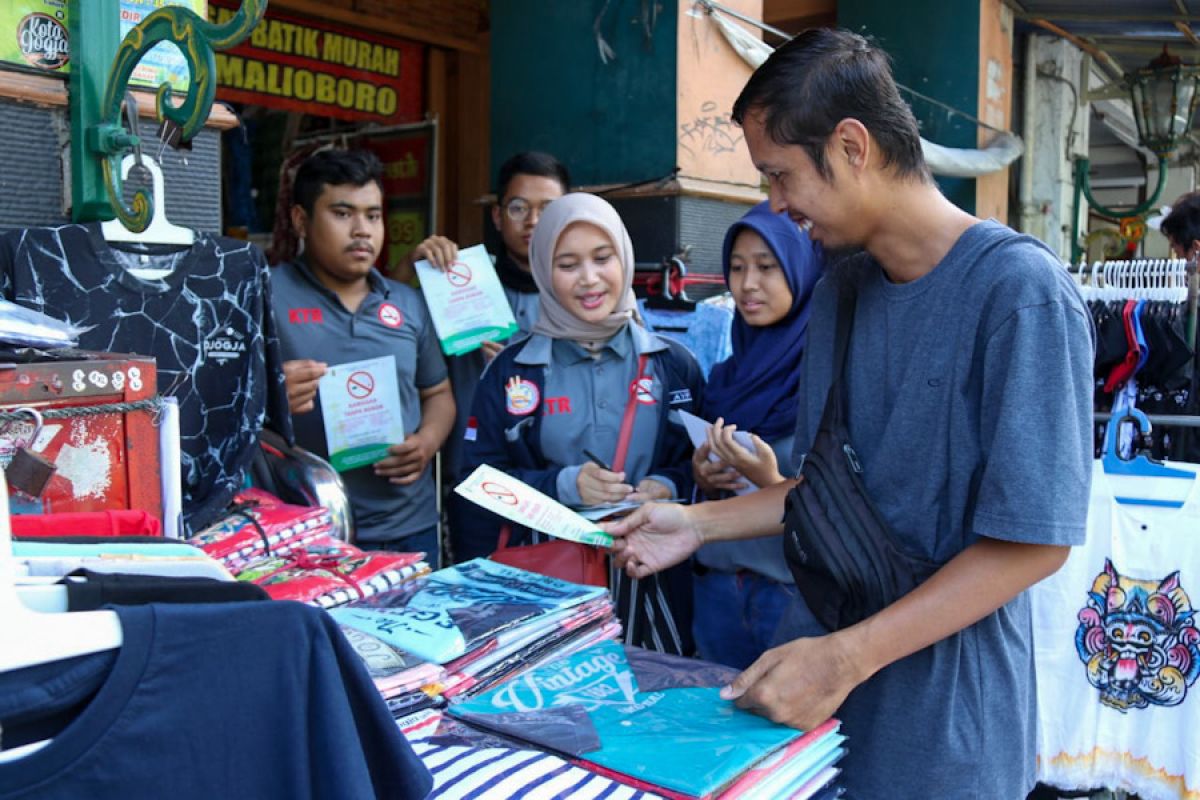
311 66
33 34
407 156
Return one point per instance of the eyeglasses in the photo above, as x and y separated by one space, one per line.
518 209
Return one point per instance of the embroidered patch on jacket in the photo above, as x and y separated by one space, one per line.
680 396
390 315
643 390
521 396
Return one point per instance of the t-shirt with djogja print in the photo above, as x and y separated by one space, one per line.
207 322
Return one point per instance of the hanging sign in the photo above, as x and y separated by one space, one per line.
407 157
33 33
318 67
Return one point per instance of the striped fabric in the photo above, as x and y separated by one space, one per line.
465 773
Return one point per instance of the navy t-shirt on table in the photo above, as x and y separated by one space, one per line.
254 700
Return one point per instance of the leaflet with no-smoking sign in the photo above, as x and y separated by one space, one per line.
360 403
519 502
466 302
697 429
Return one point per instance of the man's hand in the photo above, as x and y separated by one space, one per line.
491 350
407 461
760 467
302 377
597 485
714 476
439 251
800 684
656 536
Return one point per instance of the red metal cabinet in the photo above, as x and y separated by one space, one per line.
104 461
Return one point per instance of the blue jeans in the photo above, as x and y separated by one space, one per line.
738 615
425 541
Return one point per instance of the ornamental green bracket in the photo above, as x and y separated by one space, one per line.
100 74
1083 190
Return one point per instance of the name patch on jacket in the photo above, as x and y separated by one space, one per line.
556 405
680 396
300 316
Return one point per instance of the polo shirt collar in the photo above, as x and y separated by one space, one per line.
375 281
633 338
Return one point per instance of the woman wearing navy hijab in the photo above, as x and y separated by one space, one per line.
743 589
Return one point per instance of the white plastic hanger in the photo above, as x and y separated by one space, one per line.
30 637
161 230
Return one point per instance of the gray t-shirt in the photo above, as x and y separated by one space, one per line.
392 320
763 555
970 408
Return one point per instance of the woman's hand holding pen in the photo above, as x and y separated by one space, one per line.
598 485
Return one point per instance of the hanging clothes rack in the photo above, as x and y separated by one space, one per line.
1151 279
1154 284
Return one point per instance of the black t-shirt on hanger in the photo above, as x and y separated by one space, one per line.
207 323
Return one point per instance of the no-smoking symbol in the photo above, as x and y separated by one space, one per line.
459 274
643 390
390 315
498 492
360 385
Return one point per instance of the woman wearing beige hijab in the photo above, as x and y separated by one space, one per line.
581 409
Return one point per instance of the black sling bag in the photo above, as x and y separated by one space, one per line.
844 558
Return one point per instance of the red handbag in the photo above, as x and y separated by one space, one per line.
559 558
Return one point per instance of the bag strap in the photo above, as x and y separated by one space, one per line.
631 406
847 302
835 401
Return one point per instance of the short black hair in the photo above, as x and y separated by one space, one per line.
1182 225
823 76
532 162
334 167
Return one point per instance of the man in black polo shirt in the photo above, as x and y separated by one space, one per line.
332 308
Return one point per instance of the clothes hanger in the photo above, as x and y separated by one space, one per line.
30 637
161 230
1141 465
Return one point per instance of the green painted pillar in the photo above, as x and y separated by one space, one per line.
95 32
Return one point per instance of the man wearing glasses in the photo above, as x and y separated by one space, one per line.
527 183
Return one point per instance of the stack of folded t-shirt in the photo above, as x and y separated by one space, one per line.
144 555
394 672
327 572
651 730
484 622
259 525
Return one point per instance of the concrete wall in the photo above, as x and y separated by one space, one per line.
1055 133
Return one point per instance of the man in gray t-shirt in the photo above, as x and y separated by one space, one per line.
969 406
333 307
